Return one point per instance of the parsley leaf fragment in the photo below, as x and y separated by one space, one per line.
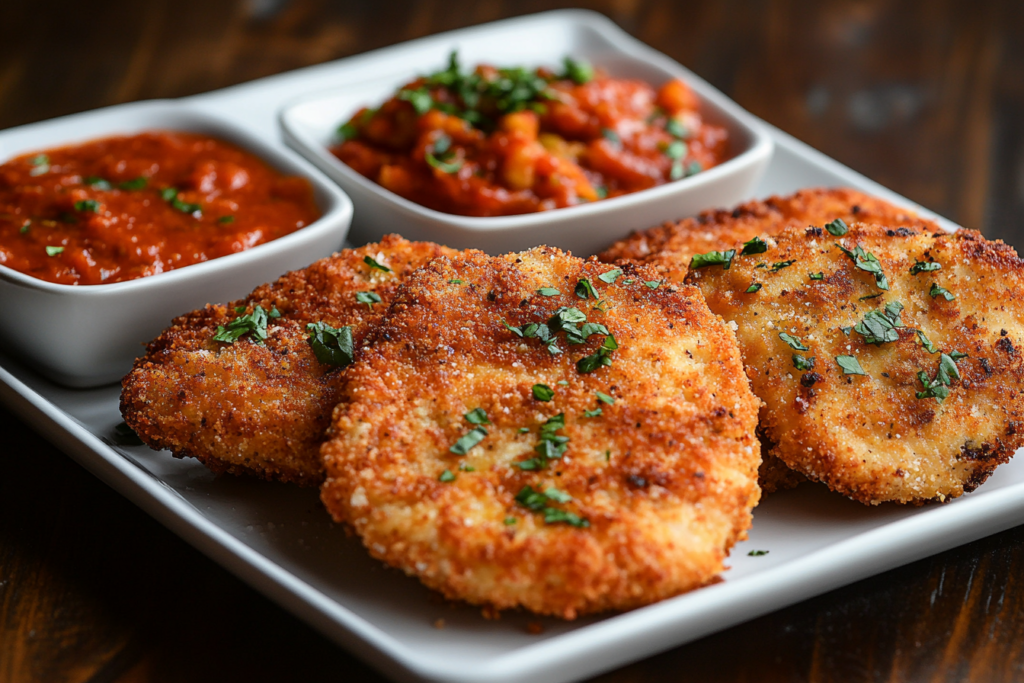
368 298
776 267
601 357
850 365
331 346
477 416
584 289
611 276
605 398
794 342
446 477
924 267
816 276
941 291
253 324
542 392
468 440
867 262
754 287
880 327
755 245
837 227
375 265
87 205
548 291
713 258
54 251
801 363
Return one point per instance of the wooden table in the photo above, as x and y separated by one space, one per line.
926 97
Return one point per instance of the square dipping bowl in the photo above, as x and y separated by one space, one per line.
310 126
88 335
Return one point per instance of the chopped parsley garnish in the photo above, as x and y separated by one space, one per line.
605 398
653 284
611 136
253 324
524 430
170 195
25 227
87 205
713 258
551 446
801 363
537 501
97 183
455 281
446 477
850 365
837 227
926 343
675 128
599 358
869 297
512 328
41 164
562 383
779 265
867 262
331 346
226 219
816 276
755 245
601 191
611 276
375 265
368 298
596 412
794 342
542 392
579 72
585 289
938 388
468 440
420 99
440 154
54 251
548 291
879 327
941 291
757 553
348 131
463 467
676 150
509 521
477 416
754 287
134 184
924 267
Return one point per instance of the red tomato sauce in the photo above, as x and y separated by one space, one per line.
122 208
495 142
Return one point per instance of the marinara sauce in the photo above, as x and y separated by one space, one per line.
127 207
494 142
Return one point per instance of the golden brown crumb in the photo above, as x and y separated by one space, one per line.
650 493
262 409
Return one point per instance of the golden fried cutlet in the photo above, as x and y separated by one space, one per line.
262 408
482 450
888 360
671 246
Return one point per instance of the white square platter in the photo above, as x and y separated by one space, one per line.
279 540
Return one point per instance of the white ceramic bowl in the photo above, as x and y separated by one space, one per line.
84 336
310 126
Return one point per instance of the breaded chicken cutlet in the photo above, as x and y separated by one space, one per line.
541 431
671 246
888 359
245 405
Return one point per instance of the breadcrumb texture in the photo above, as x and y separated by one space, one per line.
262 409
671 246
870 437
665 478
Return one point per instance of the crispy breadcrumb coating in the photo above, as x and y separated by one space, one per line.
262 409
657 480
823 315
671 246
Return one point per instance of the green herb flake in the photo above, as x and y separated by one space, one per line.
556 516
757 553
879 327
87 205
375 265
605 398
596 412
801 363
134 184
867 262
446 477
455 281
600 358
542 392
837 227
755 245
713 258
924 267
463 467
653 284
98 183
548 291
477 416
224 220
54 251
512 328
816 276
509 521
869 297
584 289
776 267
578 71
610 276
611 136
941 291
468 440
348 131
676 129
754 287
253 324
24 228
420 99
368 298
850 365
926 343
794 342
331 346
41 165
676 149
524 430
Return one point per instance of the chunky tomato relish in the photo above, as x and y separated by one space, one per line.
122 208
496 142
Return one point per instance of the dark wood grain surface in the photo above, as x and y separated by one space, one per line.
925 96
